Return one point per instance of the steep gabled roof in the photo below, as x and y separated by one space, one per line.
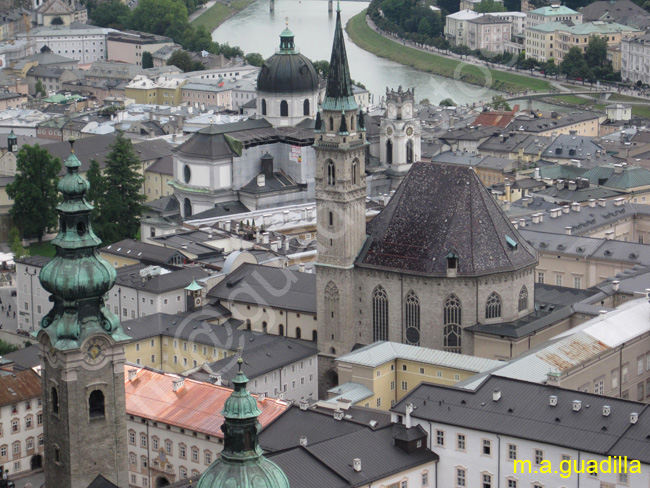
440 210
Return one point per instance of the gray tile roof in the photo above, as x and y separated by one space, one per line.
24 358
265 285
441 209
175 280
142 251
524 412
526 123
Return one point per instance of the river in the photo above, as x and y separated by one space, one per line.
255 29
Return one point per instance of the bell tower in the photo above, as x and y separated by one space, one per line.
340 145
399 132
82 352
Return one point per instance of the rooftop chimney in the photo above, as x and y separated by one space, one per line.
575 206
304 405
261 180
338 414
606 410
265 238
577 405
536 218
616 285
634 417
356 464
618 169
303 441
409 411
496 395
619 201
566 209
567 230
133 374
178 384
592 202
602 202
552 401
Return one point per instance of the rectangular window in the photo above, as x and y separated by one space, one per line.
405 386
640 367
614 378
487 447
487 481
599 386
624 373
539 456
460 442
425 479
378 402
558 280
639 391
540 277
392 386
440 437
512 483
512 452
460 477
577 282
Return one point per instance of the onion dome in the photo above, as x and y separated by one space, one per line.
77 277
241 462
287 71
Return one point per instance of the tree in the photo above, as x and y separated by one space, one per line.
322 66
254 59
230 51
199 39
34 191
162 17
16 244
573 63
596 53
147 60
120 201
425 101
182 60
96 180
498 102
550 68
112 13
448 102
487 6
39 88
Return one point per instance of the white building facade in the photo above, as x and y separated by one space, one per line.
85 45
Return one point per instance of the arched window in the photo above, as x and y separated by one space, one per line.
248 324
379 315
355 171
452 321
331 123
281 330
493 306
412 319
187 207
331 299
298 333
331 218
284 109
264 327
55 400
314 336
96 404
523 298
305 107
352 123
389 151
332 351
263 107
331 173
409 151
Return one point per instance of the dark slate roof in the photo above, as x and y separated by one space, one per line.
287 73
303 469
141 251
25 358
275 182
130 276
101 482
442 209
259 359
317 425
206 143
339 85
164 166
221 209
265 285
548 122
612 10
534 419
376 449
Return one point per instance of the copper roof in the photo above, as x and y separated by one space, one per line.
195 406
18 387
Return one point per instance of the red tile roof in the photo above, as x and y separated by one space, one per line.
495 119
18 387
196 405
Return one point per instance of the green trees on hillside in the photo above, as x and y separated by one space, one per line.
413 20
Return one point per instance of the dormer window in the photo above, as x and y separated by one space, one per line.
452 261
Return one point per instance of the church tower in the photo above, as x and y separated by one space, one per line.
340 145
82 352
399 132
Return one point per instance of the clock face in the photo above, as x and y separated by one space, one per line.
409 131
389 131
94 351
391 109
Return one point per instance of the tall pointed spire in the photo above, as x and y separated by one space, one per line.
338 94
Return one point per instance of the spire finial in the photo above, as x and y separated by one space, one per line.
286 22
239 363
338 5
71 141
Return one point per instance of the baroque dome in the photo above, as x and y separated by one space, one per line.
287 71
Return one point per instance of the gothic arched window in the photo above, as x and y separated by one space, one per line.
284 109
298 333
389 151
355 171
331 173
409 151
331 299
96 404
55 400
523 298
452 320
281 330
331 218
493 306
187 208
352 123
263 107
379 315
305 107
314 335
412 322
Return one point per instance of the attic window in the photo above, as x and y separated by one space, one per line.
511 243
452 261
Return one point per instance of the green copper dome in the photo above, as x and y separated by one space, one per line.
77 277
242 463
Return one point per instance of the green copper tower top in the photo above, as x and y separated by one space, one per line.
242 463
287 44
77 277
338 94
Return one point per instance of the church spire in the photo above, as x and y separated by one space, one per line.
338 94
